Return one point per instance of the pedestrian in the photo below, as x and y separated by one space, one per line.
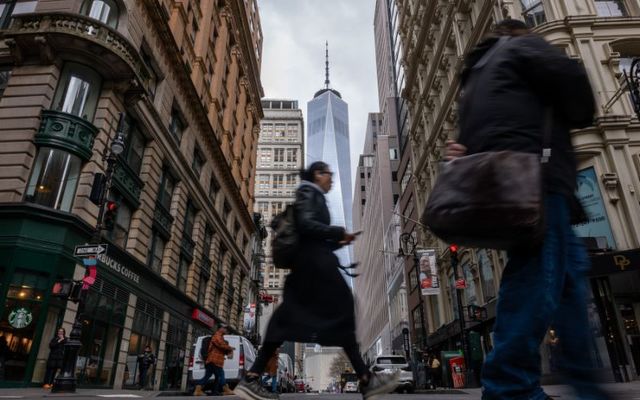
272 372
4 355
214 364
318 305
515 88
436 372
56 357
146 362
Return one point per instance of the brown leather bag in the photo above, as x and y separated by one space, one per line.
488 200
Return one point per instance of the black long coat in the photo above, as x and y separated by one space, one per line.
318 306
56 353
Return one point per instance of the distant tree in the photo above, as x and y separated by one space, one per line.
339 365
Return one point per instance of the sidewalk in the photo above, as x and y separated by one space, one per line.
39 393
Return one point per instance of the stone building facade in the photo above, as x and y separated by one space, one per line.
187 75
280 158
605 37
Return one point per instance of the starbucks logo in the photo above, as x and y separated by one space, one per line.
20 318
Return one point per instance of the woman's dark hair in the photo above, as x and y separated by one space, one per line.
309 173
63 330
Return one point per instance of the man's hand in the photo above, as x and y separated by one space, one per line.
454 150
348 238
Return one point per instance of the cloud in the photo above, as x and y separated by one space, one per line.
293 56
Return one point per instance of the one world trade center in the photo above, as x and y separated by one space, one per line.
328 141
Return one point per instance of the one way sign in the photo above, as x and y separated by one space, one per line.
90 250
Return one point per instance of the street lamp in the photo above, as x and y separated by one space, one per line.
408 247
633 83
66 381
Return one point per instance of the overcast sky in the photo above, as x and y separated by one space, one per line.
295 32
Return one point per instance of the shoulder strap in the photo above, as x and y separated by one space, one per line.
485 58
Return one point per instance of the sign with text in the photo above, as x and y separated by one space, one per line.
89 250
588 192
429 280
200 316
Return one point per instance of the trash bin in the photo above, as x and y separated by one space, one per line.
457 369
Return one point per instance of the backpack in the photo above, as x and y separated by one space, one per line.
285 239
204 348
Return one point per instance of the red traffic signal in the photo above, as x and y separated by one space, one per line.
109 218
453 248
62 288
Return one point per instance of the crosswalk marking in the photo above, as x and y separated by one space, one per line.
127 395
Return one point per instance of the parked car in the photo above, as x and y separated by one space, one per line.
392 363
235 368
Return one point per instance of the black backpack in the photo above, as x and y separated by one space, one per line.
285 239
204 348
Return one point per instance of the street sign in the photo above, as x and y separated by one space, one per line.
90 250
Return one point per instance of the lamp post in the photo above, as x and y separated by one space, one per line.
408 247
66 381
633 83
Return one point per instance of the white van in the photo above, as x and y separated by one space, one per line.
235 368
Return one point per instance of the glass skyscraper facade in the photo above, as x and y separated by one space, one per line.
328 141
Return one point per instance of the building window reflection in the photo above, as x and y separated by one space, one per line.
533 12
78 91
610 8
54 179
105 11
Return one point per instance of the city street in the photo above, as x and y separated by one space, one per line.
618 391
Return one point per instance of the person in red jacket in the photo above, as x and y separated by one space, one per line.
218 349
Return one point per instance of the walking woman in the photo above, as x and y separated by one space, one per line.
318 306
56 357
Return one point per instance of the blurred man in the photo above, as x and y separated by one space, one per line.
218 349
512 83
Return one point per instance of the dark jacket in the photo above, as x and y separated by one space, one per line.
503 103
56 353
146 359
317 306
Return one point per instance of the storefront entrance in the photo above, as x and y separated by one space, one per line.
21 324
102 322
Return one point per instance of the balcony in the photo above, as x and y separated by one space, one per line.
48 35
127 182
66 132
187 245
162 220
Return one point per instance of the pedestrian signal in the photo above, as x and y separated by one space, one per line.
109 218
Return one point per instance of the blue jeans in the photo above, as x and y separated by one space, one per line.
274 382
537 289
210 370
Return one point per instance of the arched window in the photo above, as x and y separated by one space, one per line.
105 11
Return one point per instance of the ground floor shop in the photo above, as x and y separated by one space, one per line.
614 323
128 308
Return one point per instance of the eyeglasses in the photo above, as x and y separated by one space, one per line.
326 173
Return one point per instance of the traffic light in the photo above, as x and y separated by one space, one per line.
97 188
453 250
477 313
109 217
62 288
67 289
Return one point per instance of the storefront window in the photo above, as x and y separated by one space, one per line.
78 91
102 322
19 319
54 179
175 352
146 330
104 11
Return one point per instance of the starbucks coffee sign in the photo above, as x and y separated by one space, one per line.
119 268
20 318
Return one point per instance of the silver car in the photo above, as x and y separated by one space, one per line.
392 363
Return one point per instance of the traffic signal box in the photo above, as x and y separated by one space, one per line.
67 289
109 218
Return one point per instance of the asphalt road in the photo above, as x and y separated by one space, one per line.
618 391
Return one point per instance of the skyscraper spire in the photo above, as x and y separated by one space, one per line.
326 80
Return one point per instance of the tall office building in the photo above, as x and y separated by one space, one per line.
328 141
280 149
